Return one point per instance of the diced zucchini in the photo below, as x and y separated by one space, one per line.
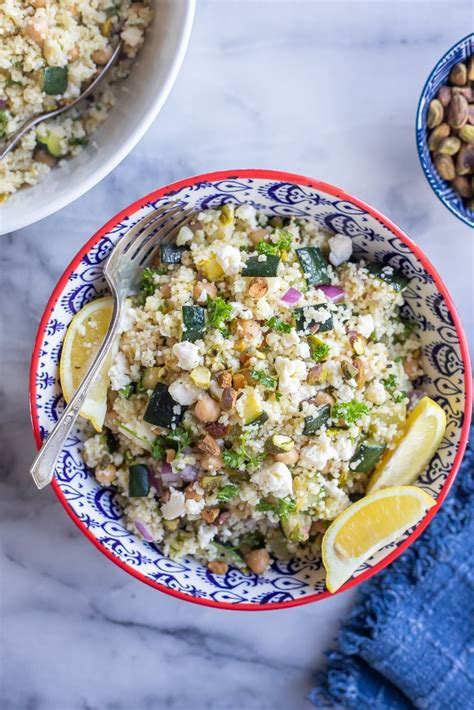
162 410
279 443
151 377
390 275
314 423
367 455
138 481
211 268
54 80
296 527
208 482
52 142
201 377
314 265
302 316
261 419
194 323
268 268
171 253
252 409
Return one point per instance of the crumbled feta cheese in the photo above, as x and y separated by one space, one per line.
187 355
228 258
119 372
205 535
290 374
275 479
291 338
340 249
248 214
128 320
184 391
303 350
185 235
365 325
345 393
194 507
240 311
316 456
376 393
175 506
263 310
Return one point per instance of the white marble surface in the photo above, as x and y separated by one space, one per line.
327 89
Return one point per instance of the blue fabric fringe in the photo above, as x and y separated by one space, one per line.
409 641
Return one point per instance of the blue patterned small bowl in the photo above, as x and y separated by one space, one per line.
446 362
458 53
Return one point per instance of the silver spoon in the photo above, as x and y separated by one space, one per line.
34 120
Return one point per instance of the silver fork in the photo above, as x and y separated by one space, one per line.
122 271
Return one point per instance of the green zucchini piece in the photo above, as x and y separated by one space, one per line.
162 410
194 323
138 481
314 265
368 455
390 275
54 80
300 319
259 419
52 143
267 268
279 443
312 424
171 253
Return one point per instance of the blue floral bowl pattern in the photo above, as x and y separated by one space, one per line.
95 509
460 52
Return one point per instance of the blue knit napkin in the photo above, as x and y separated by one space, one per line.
409 641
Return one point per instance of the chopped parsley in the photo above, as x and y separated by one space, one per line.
227 492
147 284
283 507
399 397
127 391
218 313
253 539
79 141
110 442
390 383
235 459
319 349
278 325
350 412
283 244
177 439
265 380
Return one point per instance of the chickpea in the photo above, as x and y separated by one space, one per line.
250 330
210 514
288 457
105 474
207 410
323 398
217 567
166 291
37 29
101 56
210 462
42 156
170 455
257 235
203 291
258 561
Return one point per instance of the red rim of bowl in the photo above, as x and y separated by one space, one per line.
335 192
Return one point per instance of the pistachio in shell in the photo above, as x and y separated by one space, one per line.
458 111
458 75
465 160
470 115
470 68
437 135
462 185
444 95
445 166
449 146
466 133
465 91
435 113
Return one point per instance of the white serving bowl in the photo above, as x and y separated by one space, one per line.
95 510
139 99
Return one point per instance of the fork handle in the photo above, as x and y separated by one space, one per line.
43 467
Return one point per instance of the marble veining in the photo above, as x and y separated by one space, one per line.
327 89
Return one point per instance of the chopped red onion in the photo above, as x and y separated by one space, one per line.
144 531
292 295
189 473
166 467
155 480
333 293
223 517
171 479
3 103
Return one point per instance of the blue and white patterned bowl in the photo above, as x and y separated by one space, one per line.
460 52
95 510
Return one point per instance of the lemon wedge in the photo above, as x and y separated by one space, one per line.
83 338
421 437
368 525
